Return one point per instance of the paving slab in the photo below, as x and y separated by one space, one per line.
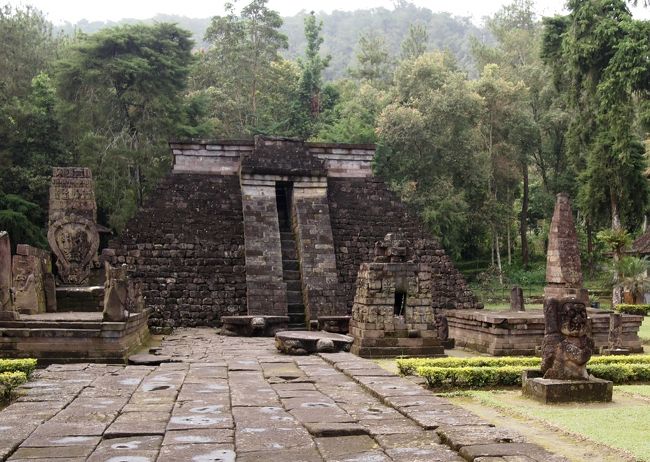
229 398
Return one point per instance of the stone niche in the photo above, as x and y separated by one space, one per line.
563 268
392 313
72 225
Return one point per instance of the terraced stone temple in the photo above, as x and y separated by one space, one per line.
268 234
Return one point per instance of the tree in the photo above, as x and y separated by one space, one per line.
309 104
374 63
28 47
122 89
598 54
243 51
415 43
429 149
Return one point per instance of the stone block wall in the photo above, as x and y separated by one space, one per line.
186 245
266 291
363 211
312 227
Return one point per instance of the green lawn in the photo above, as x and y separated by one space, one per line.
623 424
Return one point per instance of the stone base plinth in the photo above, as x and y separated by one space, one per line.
566 391
389 347
253 326
615 351
334 324
73 337
303 342
505 333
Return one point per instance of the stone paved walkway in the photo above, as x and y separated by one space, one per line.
230 399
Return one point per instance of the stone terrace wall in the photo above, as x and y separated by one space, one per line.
190 250
363 211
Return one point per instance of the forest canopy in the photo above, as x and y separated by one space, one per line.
476 129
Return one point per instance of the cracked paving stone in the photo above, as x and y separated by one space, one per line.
60 452
129 449
50 441
531 451
197 453
288 455
136 423
266 428
469 435
203 436
332 448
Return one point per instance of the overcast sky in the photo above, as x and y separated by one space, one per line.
60 11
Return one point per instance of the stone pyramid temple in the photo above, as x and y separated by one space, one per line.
273 228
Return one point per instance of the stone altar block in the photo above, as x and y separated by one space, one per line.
392 313
72 225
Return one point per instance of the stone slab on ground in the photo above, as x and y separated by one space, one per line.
305 342
230 398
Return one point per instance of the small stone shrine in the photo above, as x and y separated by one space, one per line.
392 313
566 349
72 225
563 269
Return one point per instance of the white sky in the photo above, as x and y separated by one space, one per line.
59 11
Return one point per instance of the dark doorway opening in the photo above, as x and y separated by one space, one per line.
400 303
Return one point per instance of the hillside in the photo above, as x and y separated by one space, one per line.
341 31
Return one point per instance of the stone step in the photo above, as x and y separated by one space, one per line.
291 275
294 297
289 254
293 308
297 318
286 244
294 286
290 265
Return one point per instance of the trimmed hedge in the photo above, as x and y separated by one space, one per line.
9 381
408 366
477 377
18 365
642 310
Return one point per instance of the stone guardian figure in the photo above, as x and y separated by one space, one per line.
567 345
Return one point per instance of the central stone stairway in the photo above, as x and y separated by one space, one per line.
290 263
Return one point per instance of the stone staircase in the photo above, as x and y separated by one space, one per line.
290 263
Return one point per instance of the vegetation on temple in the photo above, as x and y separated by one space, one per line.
477 129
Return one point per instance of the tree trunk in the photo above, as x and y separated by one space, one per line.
523 220
508 238
498 252
590 248
616 215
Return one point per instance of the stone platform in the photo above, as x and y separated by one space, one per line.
238 398
72 337
253 326
565 391
507 333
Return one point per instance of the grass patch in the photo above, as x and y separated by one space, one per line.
642 390
624 424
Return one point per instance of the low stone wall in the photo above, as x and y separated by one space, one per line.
509 334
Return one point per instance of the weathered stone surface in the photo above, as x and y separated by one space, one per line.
72 225
122 294
144 359
306 342
254 325
568 391
509 449
28 288
563 268
392 313
7 310
567 345
517 299
459 436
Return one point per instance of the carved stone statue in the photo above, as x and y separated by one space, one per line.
6 295
122 295
72 231
567 345
442 327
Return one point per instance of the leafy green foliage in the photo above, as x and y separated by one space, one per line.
9 381
26 366
643 310
407 366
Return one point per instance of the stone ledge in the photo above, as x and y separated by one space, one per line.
567 391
